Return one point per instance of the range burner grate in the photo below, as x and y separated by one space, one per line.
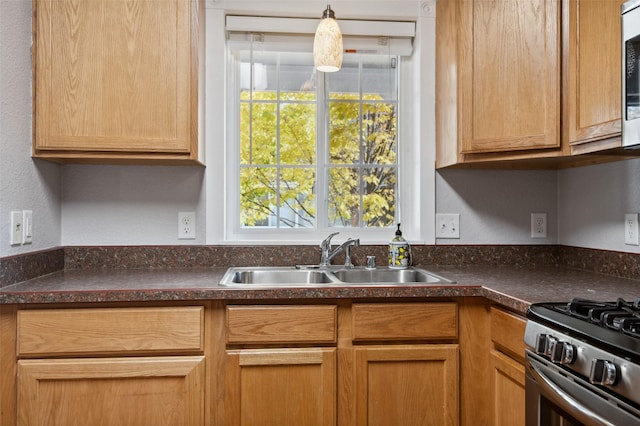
620 315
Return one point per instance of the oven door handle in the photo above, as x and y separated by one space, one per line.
563 399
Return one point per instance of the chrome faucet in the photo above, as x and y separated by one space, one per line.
327 253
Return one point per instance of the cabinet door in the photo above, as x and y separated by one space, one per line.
509 75
115 76
281 387
592 39
406 385
111 391
508 390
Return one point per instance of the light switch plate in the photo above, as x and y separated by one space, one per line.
448 225
27 226
16 228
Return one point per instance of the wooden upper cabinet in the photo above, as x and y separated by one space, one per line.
116 80
528 83
591 80
509 75
498 78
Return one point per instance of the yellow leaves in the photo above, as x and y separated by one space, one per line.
281 134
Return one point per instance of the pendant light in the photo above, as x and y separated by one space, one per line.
327 43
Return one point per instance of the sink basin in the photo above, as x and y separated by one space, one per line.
388 276
274 276
311 276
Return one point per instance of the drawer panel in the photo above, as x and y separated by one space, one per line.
281 324
405 321
110 331
507 331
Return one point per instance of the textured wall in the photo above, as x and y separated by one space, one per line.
138 205
25 184
120 205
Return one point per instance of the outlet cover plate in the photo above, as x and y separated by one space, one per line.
631 229
538 225
186 225
448 225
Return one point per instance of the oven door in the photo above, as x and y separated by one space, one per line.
555 397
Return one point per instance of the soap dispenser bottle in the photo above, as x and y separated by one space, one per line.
398 251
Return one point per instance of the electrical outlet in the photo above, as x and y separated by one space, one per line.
631 229
186 225
16 228
27 227
538 225
447 225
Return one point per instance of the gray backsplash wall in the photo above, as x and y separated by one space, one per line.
585 206
495 206
592 202
130 205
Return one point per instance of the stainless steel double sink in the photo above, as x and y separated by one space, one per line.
314 276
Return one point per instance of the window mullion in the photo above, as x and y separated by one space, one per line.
362 143
278 164
322 152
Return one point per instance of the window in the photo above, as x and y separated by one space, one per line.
317 149
308 153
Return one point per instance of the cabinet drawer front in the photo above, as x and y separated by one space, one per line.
405 321
110 331
507 331
281 324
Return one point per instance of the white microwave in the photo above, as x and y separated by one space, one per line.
631 74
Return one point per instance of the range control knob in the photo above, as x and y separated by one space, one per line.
544 343
562 353
603 372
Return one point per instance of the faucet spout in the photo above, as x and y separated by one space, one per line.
328 253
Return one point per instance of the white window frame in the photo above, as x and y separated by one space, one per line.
416 155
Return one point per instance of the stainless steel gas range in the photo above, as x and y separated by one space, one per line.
583 363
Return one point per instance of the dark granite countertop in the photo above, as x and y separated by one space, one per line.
512 287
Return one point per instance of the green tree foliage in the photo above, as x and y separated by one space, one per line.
278 163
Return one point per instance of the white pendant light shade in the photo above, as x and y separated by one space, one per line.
327 44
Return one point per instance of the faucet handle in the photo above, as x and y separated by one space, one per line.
371 262
326 243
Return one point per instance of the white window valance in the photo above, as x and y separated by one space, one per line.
387 37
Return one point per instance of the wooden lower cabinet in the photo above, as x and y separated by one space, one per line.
122 365
112 391
348 364
508 390
429 362
507 368
406 385
280 387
